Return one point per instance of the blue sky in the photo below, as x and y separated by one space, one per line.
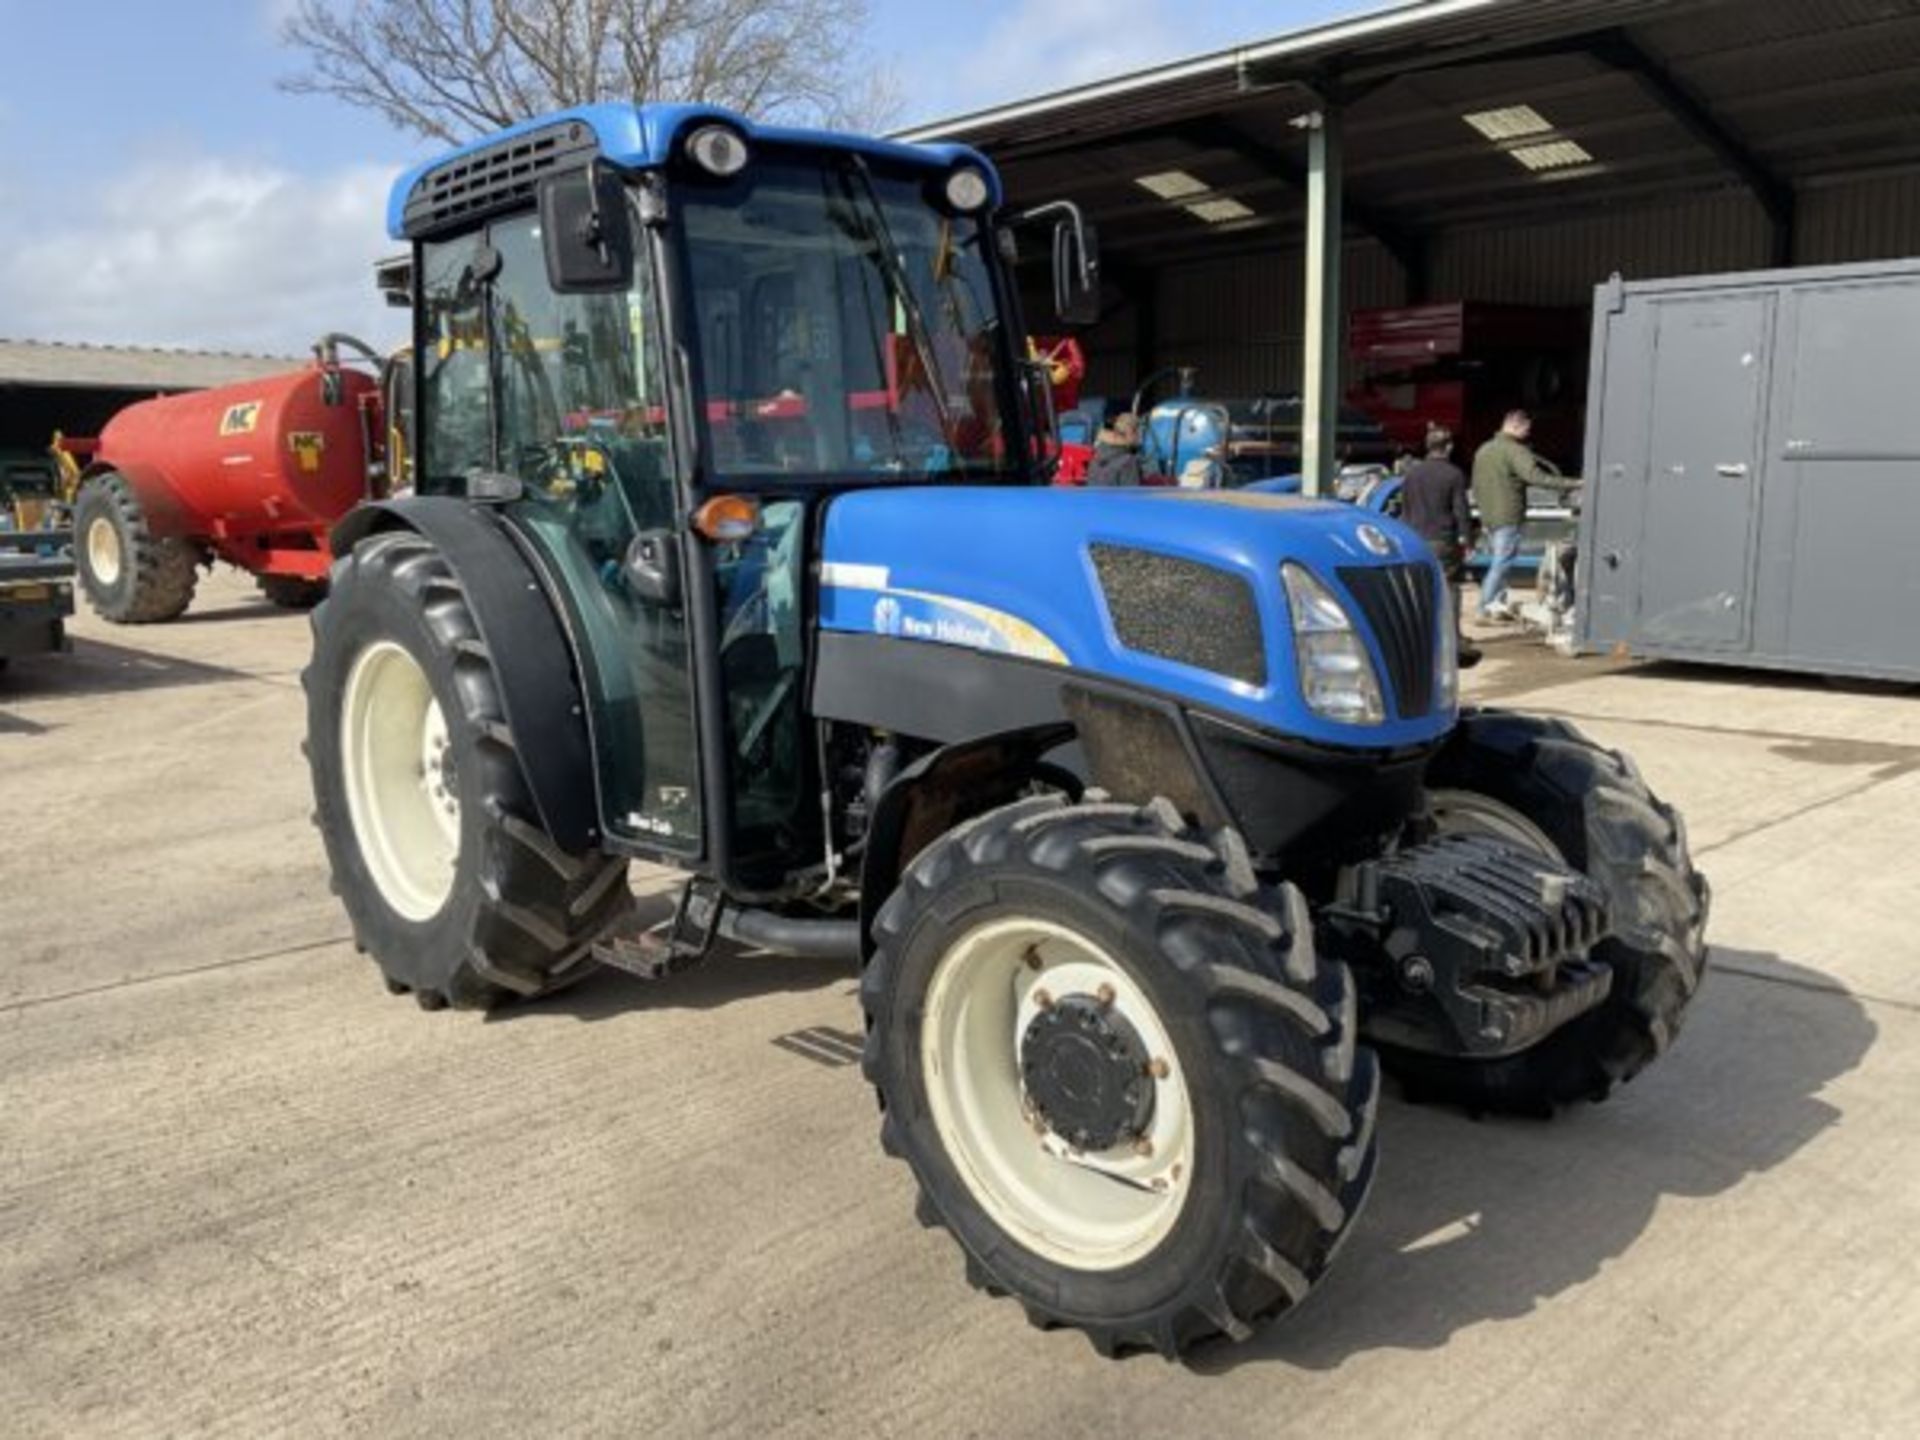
156 188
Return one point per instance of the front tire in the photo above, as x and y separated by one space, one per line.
436 847
131 576
1122 1079
1542 785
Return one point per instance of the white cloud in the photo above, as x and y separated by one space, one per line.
201 252
1043 45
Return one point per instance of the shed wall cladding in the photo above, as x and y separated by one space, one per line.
1558 262
1858 218
1239 319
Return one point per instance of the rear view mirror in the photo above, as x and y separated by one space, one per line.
1076 260
584 231
1076 271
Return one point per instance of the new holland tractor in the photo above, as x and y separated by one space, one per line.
1150 817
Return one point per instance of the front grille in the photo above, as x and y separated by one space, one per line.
1399 603
500 177
1182 610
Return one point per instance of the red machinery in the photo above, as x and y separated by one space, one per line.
1464 364
254 474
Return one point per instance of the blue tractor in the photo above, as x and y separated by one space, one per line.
1150 819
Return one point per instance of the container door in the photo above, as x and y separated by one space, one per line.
1847 475
1703 472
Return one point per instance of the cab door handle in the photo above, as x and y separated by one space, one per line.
1733 470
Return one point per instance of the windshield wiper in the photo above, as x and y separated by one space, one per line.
881 234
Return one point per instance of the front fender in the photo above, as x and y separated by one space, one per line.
532 657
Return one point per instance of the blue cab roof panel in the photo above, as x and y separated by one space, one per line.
639 137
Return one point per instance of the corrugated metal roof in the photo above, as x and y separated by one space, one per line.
126 367
1806 90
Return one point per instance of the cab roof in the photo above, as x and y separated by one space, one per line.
498 171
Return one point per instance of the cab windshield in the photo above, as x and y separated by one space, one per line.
845 327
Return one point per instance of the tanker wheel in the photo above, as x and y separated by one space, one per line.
1122 1079
1542 785
292 592
131 575
437 850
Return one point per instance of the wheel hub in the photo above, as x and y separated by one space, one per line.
1085 1071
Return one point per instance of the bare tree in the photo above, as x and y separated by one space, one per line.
450 69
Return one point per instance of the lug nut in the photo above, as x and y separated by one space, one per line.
1416 973
1105 996
1143 1147
1032 957
1043 999
1158 1067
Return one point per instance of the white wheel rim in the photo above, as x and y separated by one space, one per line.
103 550
1094 1211
401 787
1467 812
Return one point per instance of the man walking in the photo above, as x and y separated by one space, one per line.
1434 502
1503 468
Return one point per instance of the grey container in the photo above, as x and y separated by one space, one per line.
1753 464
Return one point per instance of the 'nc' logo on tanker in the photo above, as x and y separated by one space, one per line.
240 419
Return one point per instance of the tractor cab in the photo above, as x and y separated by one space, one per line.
632 321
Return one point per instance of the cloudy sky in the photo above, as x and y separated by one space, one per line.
157 189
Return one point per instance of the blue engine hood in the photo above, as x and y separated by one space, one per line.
1011 571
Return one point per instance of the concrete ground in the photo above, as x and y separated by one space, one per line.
243 1190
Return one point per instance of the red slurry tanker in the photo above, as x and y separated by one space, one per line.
254 474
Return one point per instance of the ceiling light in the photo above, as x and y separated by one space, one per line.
1553 155
1172 184
1508 124
1218 212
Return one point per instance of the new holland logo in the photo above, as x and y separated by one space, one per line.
1376 540
886 616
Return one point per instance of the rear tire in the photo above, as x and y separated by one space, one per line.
1593 811
466 913
292 592
131 576
1265 1096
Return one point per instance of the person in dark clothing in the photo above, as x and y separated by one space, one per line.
1116 453
1433 500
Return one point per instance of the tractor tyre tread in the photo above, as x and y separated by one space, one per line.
291 592
160 571
1298 1089
535 908
1608 823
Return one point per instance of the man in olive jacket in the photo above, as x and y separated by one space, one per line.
1503 468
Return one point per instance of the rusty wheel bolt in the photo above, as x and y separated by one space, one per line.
1105 996
1143 1147
1032 957
1043 999
1158 1067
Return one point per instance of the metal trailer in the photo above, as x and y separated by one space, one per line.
1753 454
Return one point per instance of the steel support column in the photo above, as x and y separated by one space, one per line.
1320 367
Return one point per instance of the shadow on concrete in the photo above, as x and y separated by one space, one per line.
1477 1221
98 668
730 973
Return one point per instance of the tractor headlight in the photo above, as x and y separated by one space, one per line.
718 150
1337 678
967 189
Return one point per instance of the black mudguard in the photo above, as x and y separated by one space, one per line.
936 793
537 670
